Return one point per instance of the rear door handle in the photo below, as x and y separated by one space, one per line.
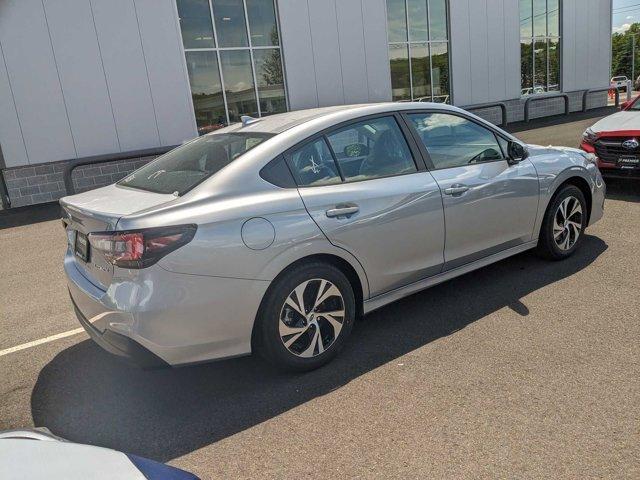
342 211
456 189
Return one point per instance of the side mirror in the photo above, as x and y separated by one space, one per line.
517 153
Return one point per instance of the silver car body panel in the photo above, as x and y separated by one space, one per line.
200 301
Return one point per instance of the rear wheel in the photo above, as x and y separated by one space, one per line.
563 224
306 317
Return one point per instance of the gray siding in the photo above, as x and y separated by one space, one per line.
88 77
335 51
586 44
485 50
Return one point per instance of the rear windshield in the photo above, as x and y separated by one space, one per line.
185 167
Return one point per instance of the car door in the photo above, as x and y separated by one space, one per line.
365 190
489 204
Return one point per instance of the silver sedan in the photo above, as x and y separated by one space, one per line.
273 235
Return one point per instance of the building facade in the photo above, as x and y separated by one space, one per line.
84 78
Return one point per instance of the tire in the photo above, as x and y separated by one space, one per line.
560 238
295 342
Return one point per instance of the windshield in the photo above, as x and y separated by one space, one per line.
185 167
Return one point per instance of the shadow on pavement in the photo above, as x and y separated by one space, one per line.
85 395
21 216
626 190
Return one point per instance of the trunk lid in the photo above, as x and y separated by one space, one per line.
98 211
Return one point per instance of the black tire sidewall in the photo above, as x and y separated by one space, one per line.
270 344
548 244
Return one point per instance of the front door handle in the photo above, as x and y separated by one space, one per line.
456 189
342 211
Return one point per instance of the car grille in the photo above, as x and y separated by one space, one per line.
610 149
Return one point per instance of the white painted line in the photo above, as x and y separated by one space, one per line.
41 341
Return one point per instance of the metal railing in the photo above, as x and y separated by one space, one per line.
598 90
546 96
483 106
97 159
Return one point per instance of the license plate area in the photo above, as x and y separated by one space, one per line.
628 162
81 248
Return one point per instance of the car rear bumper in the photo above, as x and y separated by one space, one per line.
153 317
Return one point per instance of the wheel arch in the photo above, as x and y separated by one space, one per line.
584 187
357 280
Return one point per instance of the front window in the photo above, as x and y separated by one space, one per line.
232 50
540 46
185 167
453 141
418 50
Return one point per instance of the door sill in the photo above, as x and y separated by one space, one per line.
389 297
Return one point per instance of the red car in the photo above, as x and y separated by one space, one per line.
615 140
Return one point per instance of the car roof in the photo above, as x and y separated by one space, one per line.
282 122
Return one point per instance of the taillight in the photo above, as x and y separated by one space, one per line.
141 248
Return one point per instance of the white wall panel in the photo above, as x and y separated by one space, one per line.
374 16
13 150
586 44
80 67
297 52
126 73
34 80
326 50
351 41
167 77
335 51
485 53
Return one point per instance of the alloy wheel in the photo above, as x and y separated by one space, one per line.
567 223
311 318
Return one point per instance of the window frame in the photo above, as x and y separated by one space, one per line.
424 150
408 43
216 49
547 38
414 149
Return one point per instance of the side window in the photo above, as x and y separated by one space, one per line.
454 141
371 149
313 165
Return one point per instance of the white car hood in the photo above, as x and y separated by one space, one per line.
625 120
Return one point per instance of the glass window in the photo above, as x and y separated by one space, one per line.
270 80
440 72
421 71
438 19
238 83
195 23
539 46
397 20
242 74
313 165
419 61
231 26
526 18
206 90
454 141
184 167
262 23
418 21
372 149
539 18
400 78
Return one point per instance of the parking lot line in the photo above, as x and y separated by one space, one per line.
34 343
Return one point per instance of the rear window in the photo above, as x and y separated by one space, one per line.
185 167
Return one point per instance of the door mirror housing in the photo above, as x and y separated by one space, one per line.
517 153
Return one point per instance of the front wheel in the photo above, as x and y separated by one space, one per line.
306 317
563 224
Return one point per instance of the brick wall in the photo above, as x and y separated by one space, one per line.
542 108
33 184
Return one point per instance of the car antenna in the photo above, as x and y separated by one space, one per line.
248 120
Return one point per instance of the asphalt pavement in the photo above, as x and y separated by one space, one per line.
523 369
